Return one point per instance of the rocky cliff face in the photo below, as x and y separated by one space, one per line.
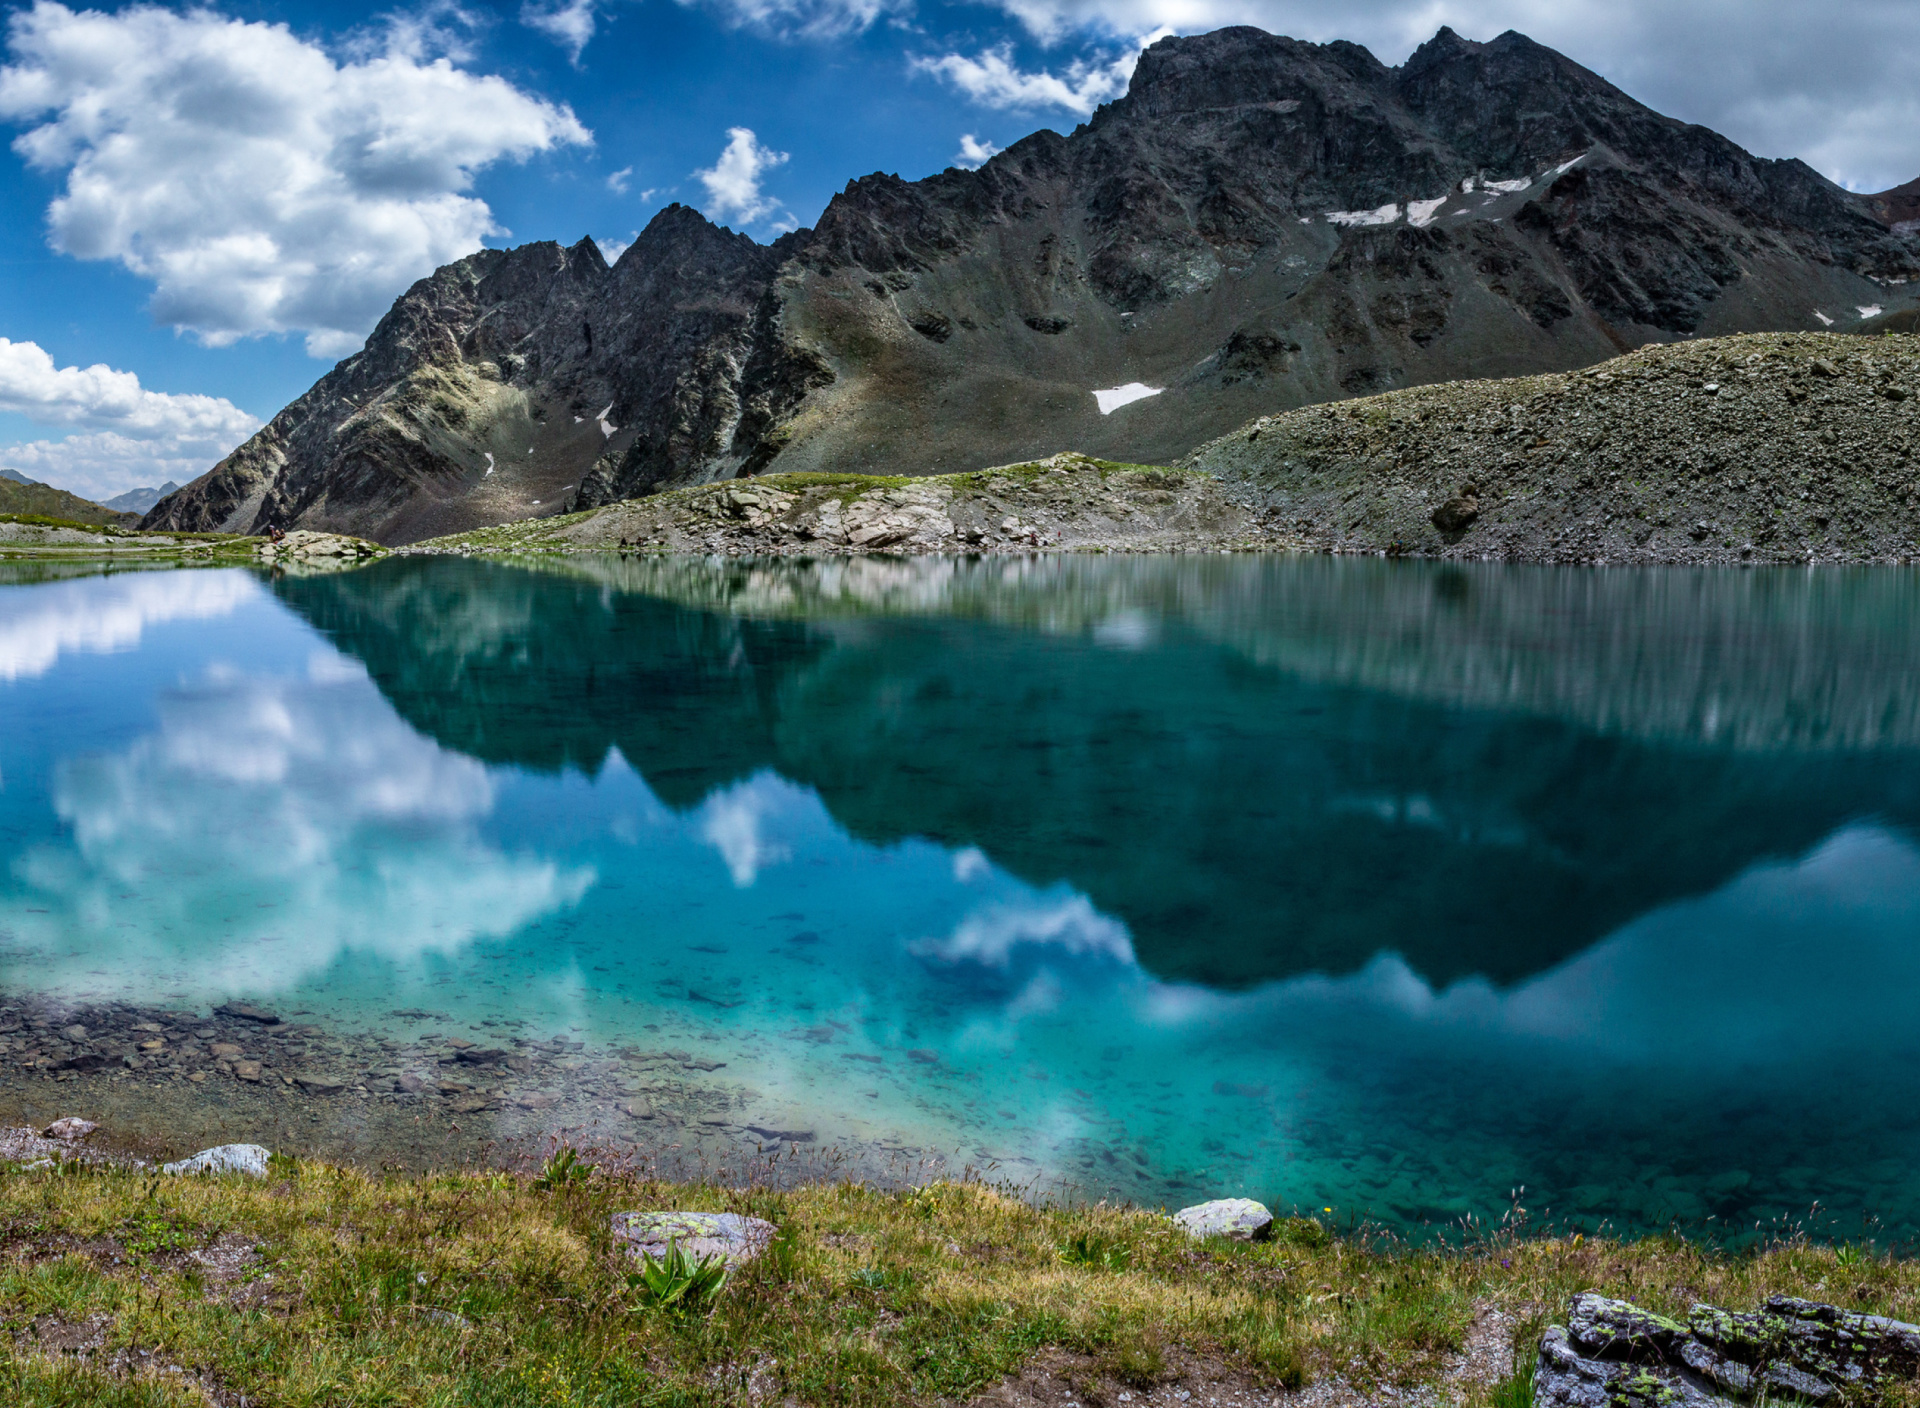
1259 224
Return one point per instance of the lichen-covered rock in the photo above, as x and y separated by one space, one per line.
70 1129
250 1159
1611 1354
1242 1219
699 1234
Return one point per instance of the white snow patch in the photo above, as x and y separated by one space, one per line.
1385 215
1823 317
1114 398
1466 186
1564 167
1420 213
605 429
1507 188
489 466
1869 310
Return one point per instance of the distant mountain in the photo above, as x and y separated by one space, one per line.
140 500
1260 223
18 494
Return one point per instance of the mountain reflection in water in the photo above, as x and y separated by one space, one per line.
1374 884
1262 767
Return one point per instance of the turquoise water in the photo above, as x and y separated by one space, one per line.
1375 886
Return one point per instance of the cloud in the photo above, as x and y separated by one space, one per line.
974 152
617 182
260 185
139 436
733 182
301 809
101 616
568 23
811 19
994 80
734 823
1068 925
611 249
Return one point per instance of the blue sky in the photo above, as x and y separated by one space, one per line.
203 208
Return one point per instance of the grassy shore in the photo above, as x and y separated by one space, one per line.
325 1285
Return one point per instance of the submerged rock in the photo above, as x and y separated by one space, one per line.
250 1159
1611 1354
1242 1219
699 1234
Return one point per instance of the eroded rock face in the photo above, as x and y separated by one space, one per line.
1611 1354
1259 224
1241 1219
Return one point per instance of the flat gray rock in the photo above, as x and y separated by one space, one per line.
250 1159
1242 1219
699 1234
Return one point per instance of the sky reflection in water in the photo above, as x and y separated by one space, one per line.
1375 886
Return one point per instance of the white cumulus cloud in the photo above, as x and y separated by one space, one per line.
261 185
994 80
733 182
975 152
133 436
568 23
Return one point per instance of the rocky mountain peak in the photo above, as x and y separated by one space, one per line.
1259 223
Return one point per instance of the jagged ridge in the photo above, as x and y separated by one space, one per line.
1260 223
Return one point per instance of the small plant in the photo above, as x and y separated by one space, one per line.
678 1282
563 1170
1091 1249
1851 1257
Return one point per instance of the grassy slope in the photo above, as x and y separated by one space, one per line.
329 1286
42 500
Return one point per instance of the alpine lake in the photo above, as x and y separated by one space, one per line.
1376 889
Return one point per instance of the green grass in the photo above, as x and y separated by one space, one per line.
484 1289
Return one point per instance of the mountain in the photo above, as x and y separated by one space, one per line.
140 500
1259 224
21 495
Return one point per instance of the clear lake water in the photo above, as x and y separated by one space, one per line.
1373 889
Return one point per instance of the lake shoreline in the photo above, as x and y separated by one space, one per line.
479 1287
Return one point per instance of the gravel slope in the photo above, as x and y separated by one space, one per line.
1759 448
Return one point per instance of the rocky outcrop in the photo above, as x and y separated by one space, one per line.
1259 224
1063 503
1611 1354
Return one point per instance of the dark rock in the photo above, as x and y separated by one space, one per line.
481 1056
1611 1354
86 1061
783 1136
1456 515
247 1012
320 1085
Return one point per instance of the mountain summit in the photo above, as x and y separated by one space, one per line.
1260 223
